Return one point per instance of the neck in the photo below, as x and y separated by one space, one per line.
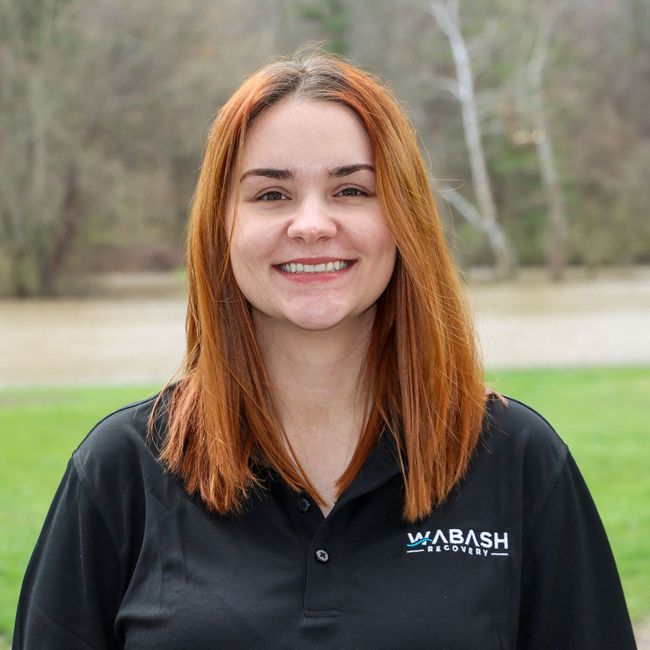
316 376
316 379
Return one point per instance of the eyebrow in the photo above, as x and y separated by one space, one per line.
287 174
346 170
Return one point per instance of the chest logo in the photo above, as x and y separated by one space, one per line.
456 540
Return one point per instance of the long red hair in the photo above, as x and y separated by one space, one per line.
424 378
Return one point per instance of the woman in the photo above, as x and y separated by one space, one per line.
328 471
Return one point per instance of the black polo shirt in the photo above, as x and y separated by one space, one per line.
516 558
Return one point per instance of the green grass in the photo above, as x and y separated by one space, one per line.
601 413
39 429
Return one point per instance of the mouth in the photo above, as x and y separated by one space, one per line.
331 266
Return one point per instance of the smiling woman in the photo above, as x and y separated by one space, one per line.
329 470
310 246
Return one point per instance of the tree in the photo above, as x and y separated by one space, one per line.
38 212
532 104
101 105
331 19
446 13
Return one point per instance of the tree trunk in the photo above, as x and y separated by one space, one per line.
20 275
556 239
446 15
556 244
68 225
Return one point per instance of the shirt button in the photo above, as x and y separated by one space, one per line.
303 504
322 555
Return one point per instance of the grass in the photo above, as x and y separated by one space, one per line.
39 429
602 413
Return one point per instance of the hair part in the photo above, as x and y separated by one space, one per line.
423 378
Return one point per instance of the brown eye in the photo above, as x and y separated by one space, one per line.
352 191
273 195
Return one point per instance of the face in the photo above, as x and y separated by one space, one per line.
310 245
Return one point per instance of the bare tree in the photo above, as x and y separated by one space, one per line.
31 199
535 105
101 109
446 13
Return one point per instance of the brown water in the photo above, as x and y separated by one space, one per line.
580 322
135 332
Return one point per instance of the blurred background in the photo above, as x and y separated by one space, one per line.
533 117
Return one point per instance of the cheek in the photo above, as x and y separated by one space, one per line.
387 256
246 270
247 242
252 252
380 242
256 238
381 250
371 232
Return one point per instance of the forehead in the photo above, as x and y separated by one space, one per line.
306 135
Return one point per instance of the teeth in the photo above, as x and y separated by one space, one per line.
339 265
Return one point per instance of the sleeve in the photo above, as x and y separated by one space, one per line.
571 595
71 590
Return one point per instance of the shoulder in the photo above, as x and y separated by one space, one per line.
118 449
519 451
120 431
515 428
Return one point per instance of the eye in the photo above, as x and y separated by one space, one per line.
272 195
352 191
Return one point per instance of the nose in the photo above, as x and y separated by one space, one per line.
312 221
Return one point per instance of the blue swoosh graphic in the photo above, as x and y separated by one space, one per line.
421 541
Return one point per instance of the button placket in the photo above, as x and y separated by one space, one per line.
323 572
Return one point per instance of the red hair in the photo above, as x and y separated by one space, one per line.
424 379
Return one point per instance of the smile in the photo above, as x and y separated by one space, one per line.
329 267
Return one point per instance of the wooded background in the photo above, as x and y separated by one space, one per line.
534 117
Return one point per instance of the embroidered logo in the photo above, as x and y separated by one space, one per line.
456 540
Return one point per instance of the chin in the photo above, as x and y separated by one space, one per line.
321 322
315 324
314 319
